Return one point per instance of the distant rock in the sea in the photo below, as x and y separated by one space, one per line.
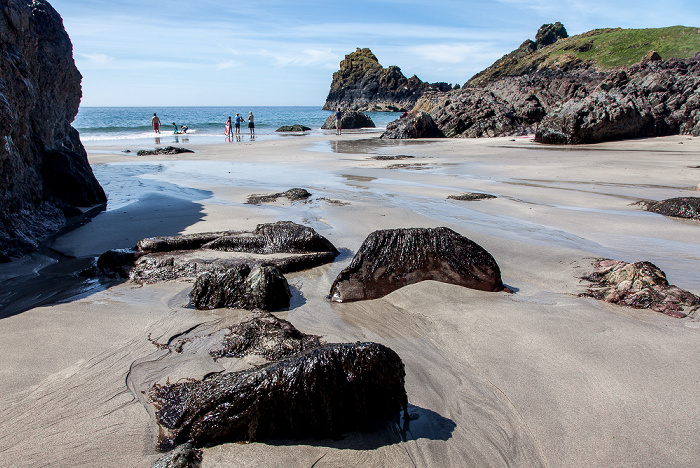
394 258
298 388
682 207
166 150
293 128
414 125
641 285
45 168
350 119
363 84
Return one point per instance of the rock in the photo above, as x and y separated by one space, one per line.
156 259
363 84
651 56
350 119
182 456
294 194
391 259
166 150
471 196
683 207
549 34
641 285
322 392
415 125
45 171
293 128
242 287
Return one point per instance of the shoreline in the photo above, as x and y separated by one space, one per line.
538 378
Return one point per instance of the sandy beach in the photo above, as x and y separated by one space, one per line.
540 377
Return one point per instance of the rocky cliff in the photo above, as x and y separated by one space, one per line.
45 172
365 85
562 89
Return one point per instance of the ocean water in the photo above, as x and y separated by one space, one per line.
131 126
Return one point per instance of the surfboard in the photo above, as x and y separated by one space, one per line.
227 128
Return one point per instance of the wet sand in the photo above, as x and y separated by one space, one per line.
541 377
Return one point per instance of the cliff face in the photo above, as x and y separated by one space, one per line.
363 84
44 169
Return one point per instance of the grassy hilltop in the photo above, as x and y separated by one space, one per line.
602 49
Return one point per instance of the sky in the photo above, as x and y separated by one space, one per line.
284 53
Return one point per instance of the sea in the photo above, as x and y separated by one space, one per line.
131 126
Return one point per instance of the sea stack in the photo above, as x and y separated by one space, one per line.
45 171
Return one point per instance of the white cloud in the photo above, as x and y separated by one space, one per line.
97 59
228 64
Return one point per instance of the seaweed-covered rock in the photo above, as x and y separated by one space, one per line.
641 285
471 196
414 125
293 128
391 259
166 150
682 207
350 119
321 392
242 286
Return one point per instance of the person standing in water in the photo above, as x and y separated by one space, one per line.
227 127
251 123
238 121
338 126
155 123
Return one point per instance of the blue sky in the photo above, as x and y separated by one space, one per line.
253 53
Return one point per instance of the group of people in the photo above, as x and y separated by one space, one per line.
155 123
235 126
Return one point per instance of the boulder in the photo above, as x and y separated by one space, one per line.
182 456
391 259
682 207
45 171
322 392
415 125
549 34
242 287
293 128
641 285
295 194
350 119
166 150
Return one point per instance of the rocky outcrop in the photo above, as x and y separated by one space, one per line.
166 150
682 207
242 287
319 391
415 125
45 171
350 119
293 128
640 285
391 259
363 84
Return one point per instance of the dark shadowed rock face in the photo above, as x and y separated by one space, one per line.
321 392
350 119
641 285
242 287
45 171
391 259
549 34
684 207
415 125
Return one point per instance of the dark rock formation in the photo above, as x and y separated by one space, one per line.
321 392
471 196
415 125
45 172
683 207
295 194
350 119
182 456
242 287
188 256
166 150
391 259
293 128
363 84
549 34
641 285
